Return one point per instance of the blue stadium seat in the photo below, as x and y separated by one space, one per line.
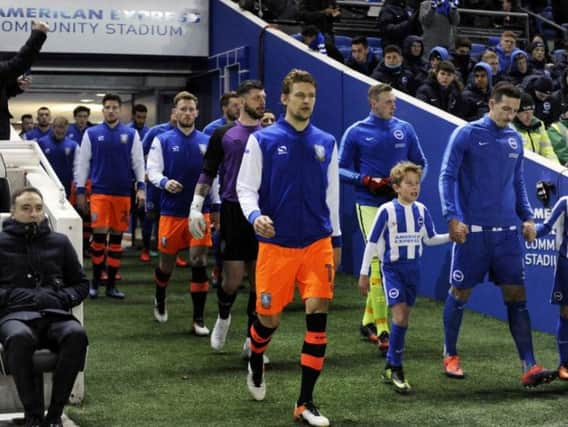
477 49
345 51
342 41
377 51
493 40
375 41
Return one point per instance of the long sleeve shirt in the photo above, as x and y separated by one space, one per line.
481 180
398 233
557 220
371 147
292 177
107 156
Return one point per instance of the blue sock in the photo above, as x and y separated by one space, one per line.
396 345
147 226
520 327
453 315
562 339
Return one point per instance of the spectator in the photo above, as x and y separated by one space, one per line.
396 22
37 296
315 40
547 107
14 67
477 92
43 125
558 134
439 19
507 43
532 130
391 71
520 67
268 118
437 54
461 57
490 57
27 124
442 90
361 58
412 53
320 13
538 57
560 64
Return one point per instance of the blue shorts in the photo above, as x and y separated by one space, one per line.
499 253
400 280
153 195
559 293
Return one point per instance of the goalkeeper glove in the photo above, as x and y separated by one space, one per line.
197 225
381 187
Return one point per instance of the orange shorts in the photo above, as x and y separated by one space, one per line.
174 235
278 269
111 212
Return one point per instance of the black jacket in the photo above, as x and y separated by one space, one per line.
396 22
399 78
39 272
10 70
475 102
449 99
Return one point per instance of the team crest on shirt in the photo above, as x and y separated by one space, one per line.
557 296
513 143
175 148
71 135
67 151
123 138
420 221
202 149
320 152
101 138
398 134
266 300
457 275
164 241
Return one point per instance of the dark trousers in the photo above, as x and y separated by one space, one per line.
65 337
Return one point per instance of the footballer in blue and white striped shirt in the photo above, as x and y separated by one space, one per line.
399 229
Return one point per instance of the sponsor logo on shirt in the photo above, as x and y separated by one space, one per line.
400 145
123 138
320 152
482 143
398 134
282 150
369 138
405 239
101 138
175 148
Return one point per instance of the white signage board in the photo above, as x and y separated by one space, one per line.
120 27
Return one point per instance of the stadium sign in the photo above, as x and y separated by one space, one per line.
141 27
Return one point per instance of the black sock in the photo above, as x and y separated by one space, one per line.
225 302
313 352
251 311
260 337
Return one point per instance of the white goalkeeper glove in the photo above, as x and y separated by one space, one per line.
197 225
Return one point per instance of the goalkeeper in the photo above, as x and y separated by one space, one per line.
368 151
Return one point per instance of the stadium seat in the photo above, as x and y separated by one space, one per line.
297 36
493 40
375 41
377 51
345 51
477 49
342 41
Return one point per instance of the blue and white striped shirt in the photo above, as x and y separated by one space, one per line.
557 220
398 233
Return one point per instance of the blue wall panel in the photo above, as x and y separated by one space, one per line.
341 100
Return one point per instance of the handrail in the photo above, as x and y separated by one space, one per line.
547 22
501 13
